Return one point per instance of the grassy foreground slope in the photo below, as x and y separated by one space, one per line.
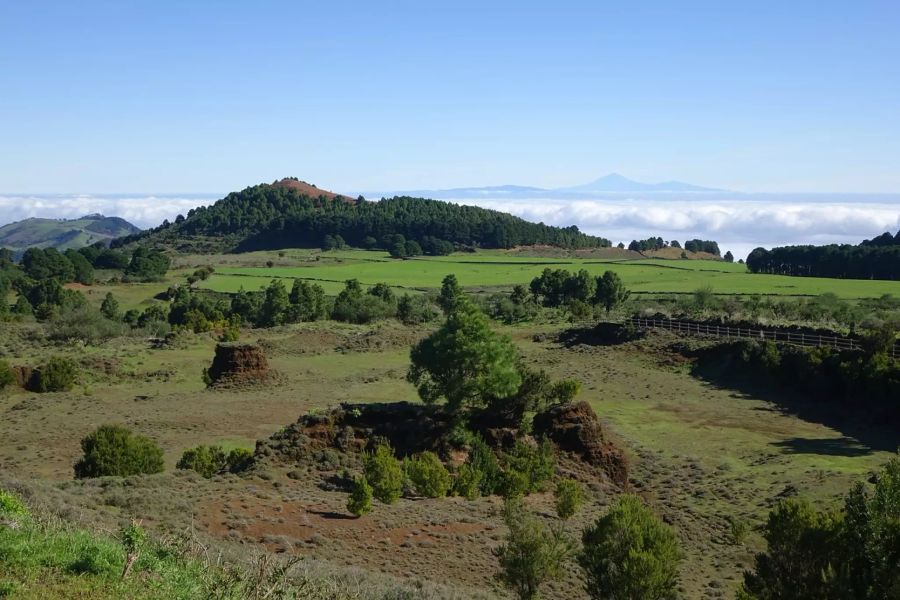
481 270
702 453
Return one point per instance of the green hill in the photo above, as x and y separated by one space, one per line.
294 214
63 233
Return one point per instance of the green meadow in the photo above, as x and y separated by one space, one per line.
496 270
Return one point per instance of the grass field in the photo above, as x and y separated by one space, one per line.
496 270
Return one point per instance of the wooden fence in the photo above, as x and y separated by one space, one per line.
798 338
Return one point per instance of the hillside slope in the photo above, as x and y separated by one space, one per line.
293 214
63 233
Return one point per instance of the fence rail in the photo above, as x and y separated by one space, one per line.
797 338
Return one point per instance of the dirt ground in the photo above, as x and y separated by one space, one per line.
702 454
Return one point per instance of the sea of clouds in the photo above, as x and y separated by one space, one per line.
738 224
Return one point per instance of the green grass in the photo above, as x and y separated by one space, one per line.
484 270
53 560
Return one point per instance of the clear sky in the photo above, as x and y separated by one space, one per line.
196 96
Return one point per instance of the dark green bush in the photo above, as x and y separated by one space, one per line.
484 463
57 375
114 450
384 473
428 475
569 496
206 460
537 465
360 500
630 553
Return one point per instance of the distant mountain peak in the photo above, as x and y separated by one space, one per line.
616 182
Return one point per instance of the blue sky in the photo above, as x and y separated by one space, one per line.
161 96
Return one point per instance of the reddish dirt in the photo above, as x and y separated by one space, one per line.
238 363
309 189
575 428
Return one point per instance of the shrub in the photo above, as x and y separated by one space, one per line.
484 462
239 459
84 323
569 496
467 482
384 473
739 529
22 307
12 506
206 460
360 500
6 375
114 450
57 375
428 474
630 553
513 484
538 465
532 554
414 310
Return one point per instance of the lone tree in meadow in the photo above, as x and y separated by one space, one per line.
611 292
464 362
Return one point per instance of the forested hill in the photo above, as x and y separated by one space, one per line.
63 233
288 214
878 258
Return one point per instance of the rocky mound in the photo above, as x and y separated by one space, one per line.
236 364
412 428
575 428
409 428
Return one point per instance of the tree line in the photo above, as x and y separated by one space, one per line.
872 259
268 217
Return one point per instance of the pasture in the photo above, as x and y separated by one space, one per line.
497 270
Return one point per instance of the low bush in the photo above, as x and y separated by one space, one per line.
467 482
239 459
57 375
84 323
536 464
206 460
212 460
384 473
428 475
484 464
360 500
115 450
569 496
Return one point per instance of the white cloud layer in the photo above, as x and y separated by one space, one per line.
143 211
738 225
